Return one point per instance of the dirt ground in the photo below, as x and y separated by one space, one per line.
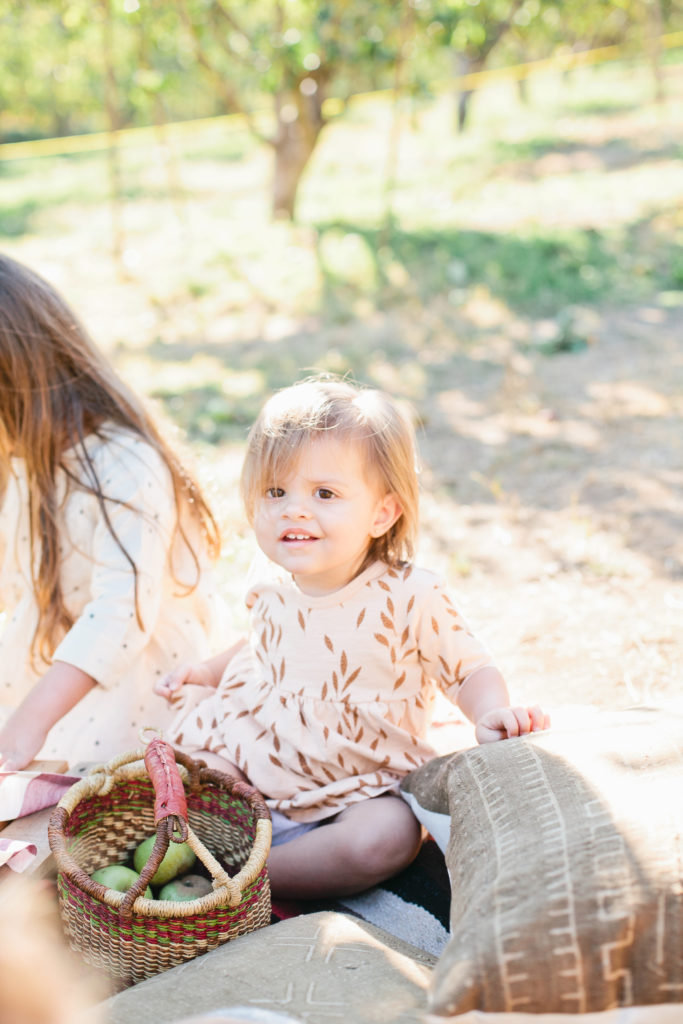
552 492
571 566
552 483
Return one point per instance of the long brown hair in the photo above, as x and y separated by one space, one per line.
325 404
56 390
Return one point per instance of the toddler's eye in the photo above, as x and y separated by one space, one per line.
275 492
325 493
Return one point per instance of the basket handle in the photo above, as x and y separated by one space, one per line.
170 803
170 814
169 792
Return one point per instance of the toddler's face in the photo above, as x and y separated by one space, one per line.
319 521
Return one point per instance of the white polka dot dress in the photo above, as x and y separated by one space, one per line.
107 641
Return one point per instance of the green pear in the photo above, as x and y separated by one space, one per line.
119 877
189 887
177 860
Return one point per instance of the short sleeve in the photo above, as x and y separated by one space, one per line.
137 530
448 650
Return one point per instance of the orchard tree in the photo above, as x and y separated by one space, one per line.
66 62
48 84
79 65
471 30
299 55
286 65
477 32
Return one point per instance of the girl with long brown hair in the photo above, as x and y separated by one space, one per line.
106 542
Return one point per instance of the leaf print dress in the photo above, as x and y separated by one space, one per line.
331 700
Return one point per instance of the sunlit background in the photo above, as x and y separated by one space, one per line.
474 204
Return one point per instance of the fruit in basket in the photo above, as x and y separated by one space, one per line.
177 860
189 887
119 877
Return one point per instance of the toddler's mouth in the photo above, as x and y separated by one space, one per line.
292 536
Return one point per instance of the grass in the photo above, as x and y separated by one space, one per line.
400 275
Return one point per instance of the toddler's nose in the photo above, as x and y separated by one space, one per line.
297 508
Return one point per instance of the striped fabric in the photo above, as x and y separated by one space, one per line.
23 793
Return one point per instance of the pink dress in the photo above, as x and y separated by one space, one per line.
331 700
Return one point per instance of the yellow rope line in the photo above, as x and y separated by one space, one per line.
97 141
561 60
94 141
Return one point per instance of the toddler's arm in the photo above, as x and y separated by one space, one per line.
201 673
485 700
25 731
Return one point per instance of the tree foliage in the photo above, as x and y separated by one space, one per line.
79 65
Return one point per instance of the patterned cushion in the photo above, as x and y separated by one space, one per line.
566 864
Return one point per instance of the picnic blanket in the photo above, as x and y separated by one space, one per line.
23 793
413 906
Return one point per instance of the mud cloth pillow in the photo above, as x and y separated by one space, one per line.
565 858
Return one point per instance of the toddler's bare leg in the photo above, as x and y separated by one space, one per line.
361 846
220 764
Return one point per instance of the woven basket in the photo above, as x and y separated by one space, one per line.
104 817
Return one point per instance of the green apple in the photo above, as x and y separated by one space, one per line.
189 887
119 877
178 859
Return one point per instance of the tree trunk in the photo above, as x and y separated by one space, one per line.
474 61
654 29
61 124
463 110
292 153
464 65
298 128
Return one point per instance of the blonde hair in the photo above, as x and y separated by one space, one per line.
56 389
328 406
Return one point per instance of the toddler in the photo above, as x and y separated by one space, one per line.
327 706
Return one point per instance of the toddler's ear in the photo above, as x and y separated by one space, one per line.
388 511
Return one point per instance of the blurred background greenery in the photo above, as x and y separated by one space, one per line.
475 204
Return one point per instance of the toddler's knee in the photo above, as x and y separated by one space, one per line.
385 851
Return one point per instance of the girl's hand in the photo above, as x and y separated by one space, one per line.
18 749
190 674
505 723
25 731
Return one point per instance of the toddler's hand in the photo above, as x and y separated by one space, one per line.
504 723
170 686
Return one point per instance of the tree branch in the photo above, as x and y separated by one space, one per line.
229 96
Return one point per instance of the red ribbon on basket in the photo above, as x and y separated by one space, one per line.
169 792
170 814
